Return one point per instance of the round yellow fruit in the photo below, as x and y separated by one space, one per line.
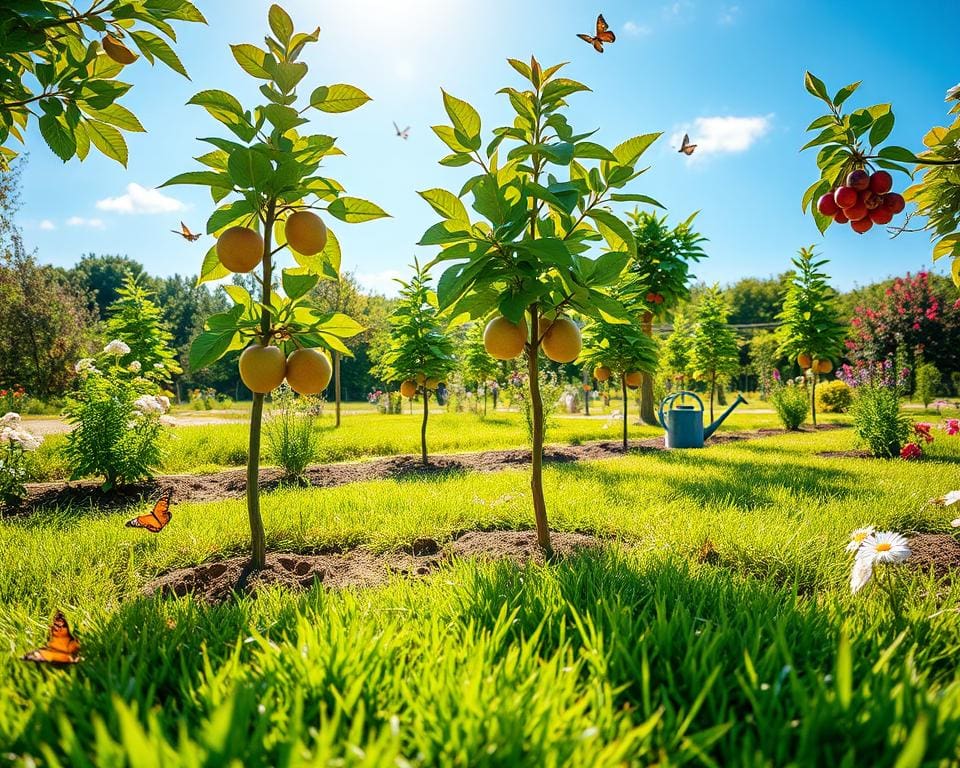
306 233
823 366
601 373
562 343
504 340
262 368
804 361
432 383
117 50
420 378
308 371
408 388
240 249
633 379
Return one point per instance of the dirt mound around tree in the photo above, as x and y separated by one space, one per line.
219 581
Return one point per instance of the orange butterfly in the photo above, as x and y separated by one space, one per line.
61 648
186 234
686 147
159 516
604 35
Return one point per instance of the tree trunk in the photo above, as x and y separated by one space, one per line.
423 425
647 415
813 400
536 405
586 392
713 388
336 385
623 386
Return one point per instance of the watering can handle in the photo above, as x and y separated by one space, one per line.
663 404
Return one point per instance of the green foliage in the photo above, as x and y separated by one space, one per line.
663 257
792 404
713 345
136 320
927 380
551 389
878 420
51 57
16 442
291 432
810 322
478 367
764 356
675 350
834 397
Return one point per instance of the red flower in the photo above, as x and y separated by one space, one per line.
911 451
922 429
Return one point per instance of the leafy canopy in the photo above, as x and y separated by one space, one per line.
53 69
810 321
622 347
713 344
664 254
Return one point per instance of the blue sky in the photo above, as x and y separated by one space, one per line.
730 73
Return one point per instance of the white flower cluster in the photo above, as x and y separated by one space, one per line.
117 348
85 365
12 434
872 547
134 367
149 405
950 497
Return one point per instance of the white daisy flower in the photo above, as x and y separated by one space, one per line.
858 537
116 347
951 497
134 367
861 574
884 547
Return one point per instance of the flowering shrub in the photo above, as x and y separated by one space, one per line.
791 402
834 397
951 426
877 419
911 451
117 419
10 399
15 443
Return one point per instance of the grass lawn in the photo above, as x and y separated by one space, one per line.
634 654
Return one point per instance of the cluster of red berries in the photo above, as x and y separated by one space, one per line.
654 298
863 201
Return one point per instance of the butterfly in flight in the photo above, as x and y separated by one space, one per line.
61 648
404 134
157 519
604 35
185 233
686 147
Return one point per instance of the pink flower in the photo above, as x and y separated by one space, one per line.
952 426
911 451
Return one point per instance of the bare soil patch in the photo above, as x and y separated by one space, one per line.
232 483
219 581
937 551
847 455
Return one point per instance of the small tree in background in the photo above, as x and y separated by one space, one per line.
764 355
662 265
713 346
675 349
810 330
927 380
478 366
421 352
137 321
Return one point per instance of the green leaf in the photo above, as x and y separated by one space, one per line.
632 198
108 140
280 23
288 74
249 169
463 116
815 87
226 216
916 746
240 295
844 93
608 267
338 98
354 209
151 45
298 282
212 269
446 204
116 115
897 154
548 250
882 127
629 151
339 325
844 671
209 347
58 138
254 61
201 178
561 88
614 231
593 151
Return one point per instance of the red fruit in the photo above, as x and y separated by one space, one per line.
844 197
858 179
881 215
840 218
651 297
658 299
881 182
861 226
895 202
856 212
870 200
827 205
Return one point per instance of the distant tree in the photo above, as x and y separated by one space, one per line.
927 383
340 295
478 367
764 356
662 265
755 300
136 320
101 277
810 330
675 350
713 348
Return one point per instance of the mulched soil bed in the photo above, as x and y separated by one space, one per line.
937 551
219 581
232 483
847 455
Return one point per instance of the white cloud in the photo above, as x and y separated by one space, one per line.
139 199
380 282
80 221
679 10
47 225
636 30
723 134
728 15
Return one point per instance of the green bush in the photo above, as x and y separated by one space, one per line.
791 402
878 421
290 432
834 397
927 383
15 444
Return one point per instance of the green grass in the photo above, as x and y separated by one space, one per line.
636 654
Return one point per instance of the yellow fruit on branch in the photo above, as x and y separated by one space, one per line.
804 361
504 340
432 383
562 342
601 373
308 371
117 50
306 233
240 249
262 368
823 366
408 388
633 379
421 378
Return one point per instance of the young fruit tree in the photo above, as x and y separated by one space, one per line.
268 174
663 261
421 353
541 204
810 329
59 64
713 344
855 185
478 367
675 349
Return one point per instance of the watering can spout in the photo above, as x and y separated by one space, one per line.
713 427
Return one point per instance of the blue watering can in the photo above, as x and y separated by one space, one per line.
684 423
